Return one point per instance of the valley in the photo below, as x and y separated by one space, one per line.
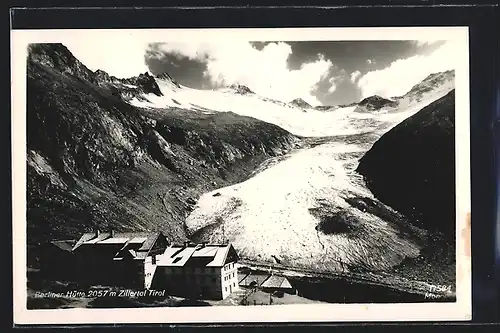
286 183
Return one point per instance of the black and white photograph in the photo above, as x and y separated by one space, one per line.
240 170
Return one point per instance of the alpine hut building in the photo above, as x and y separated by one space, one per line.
201 271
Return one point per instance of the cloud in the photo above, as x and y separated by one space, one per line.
355 75
120 57
425 42
401 75
333 84
264 70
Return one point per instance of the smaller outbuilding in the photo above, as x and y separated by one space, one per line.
252 280
278 284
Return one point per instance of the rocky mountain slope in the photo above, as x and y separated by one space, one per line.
412 167
95 160
430 83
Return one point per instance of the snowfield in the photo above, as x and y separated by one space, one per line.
301 122
268 216
308 123
305 210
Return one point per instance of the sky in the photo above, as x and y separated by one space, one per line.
321 73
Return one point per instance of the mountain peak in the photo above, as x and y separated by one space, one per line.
166 77
241 89
431 82
163 76
300 103
102 76
57 56
375 102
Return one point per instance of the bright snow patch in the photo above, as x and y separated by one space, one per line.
268 215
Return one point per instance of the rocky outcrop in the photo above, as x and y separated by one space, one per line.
375 103
241 89
431 82
412 167
300 103
166 77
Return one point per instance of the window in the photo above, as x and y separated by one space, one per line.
154 260
225 288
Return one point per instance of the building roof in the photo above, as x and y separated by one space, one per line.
65 245
196 255
275 281
250 278
127 244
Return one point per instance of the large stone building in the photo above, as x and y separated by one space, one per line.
118 258
204 271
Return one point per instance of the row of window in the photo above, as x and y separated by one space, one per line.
227 277
229 266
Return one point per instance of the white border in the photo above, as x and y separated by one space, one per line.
460 310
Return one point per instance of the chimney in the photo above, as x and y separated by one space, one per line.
186 243
112 233
97 232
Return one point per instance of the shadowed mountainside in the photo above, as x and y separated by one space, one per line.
412 167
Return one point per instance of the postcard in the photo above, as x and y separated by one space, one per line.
241 175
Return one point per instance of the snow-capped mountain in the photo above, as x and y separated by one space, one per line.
291 116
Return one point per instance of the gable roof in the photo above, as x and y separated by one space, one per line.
127 244
65 245
275 281
250 278
192 255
